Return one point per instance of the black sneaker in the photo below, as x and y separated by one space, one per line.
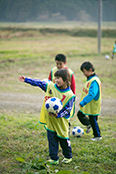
88 129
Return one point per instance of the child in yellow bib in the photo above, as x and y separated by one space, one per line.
57 125
61 61
90 102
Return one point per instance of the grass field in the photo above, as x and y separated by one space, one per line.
23 139
63 24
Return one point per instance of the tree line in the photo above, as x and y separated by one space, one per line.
56 10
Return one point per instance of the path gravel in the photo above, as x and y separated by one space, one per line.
22 102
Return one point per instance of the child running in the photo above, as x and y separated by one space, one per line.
114 50
57 125
90 102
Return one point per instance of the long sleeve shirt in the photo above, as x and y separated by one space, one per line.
65 112
92 94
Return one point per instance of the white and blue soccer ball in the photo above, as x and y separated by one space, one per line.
53 105
77 131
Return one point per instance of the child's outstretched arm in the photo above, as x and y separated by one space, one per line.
34 82
21 78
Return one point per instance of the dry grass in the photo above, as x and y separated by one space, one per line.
21 135
34 57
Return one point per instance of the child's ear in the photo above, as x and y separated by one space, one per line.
90 69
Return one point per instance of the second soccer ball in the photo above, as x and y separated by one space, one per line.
77 131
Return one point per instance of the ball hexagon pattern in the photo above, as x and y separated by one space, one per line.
77 131
53 105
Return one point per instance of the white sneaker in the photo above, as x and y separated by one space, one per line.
88 129
96 138
66 160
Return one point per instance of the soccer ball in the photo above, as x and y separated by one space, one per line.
53 105
77 131
107 57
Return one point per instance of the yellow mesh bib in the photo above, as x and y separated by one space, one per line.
93 107
58 125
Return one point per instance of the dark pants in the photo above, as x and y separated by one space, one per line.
54 141
90 120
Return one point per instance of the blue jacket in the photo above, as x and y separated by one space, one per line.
93 92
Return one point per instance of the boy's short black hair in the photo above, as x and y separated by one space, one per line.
60 57
64 74
87 66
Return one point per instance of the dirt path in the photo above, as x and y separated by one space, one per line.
22 102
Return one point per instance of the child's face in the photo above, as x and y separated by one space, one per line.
60 83
60 64
87 73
